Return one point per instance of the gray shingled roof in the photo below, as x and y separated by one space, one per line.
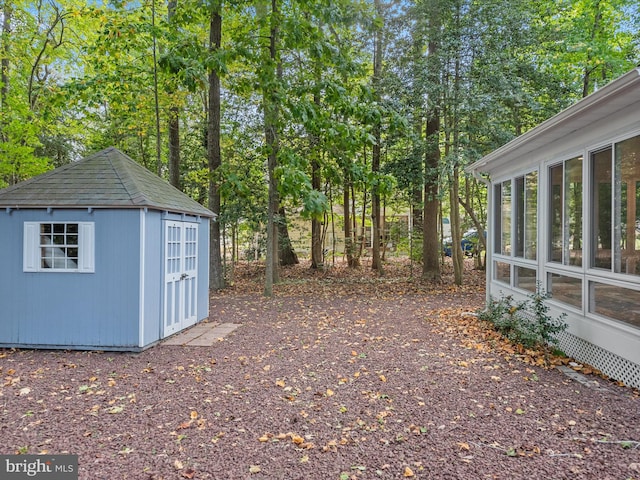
107 179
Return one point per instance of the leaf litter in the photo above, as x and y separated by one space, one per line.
342 374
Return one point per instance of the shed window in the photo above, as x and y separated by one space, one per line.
58 247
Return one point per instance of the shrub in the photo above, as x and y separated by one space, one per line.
526 322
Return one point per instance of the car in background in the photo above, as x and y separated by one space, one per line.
468 243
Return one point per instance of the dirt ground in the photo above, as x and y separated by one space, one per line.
341 375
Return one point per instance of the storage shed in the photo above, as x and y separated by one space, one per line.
100 254
565 212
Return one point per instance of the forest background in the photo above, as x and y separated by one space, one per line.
328 113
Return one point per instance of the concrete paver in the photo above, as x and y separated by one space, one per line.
202 334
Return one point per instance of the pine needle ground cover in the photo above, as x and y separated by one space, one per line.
340 375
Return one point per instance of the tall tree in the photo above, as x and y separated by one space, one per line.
430 241
216 274
376 262
174 119
271 109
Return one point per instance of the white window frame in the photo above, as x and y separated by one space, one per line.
32 253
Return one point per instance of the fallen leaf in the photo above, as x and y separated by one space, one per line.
463 446
189 473
178 464
194 414
329 392
255 469
408 472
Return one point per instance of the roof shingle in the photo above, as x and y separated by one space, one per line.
106 179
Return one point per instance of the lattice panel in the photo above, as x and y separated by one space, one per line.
608 363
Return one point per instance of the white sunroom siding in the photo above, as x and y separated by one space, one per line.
617 337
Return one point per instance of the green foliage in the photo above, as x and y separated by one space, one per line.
526 322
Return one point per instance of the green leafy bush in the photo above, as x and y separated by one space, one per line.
526 322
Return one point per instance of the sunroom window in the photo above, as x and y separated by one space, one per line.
616 207
58 247
565 200
502 226
526 201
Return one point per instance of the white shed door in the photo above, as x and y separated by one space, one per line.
180 274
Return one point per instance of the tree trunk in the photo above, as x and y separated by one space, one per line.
430 243
271 110
287 254
4 66
454 183
376 261
155 91
174 123
349 245
588 70
216 274
317 258
456 250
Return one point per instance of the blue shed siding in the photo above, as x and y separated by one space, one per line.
79 310
203 270
152 277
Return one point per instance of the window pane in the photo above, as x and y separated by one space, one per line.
615 302
525 278
519 216
601 212
573 209
497 215
506 218
55 240
627 175
531 215
555 217
503 272
565 289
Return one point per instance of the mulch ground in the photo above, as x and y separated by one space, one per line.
341 375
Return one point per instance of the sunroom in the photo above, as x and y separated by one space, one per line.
565 216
